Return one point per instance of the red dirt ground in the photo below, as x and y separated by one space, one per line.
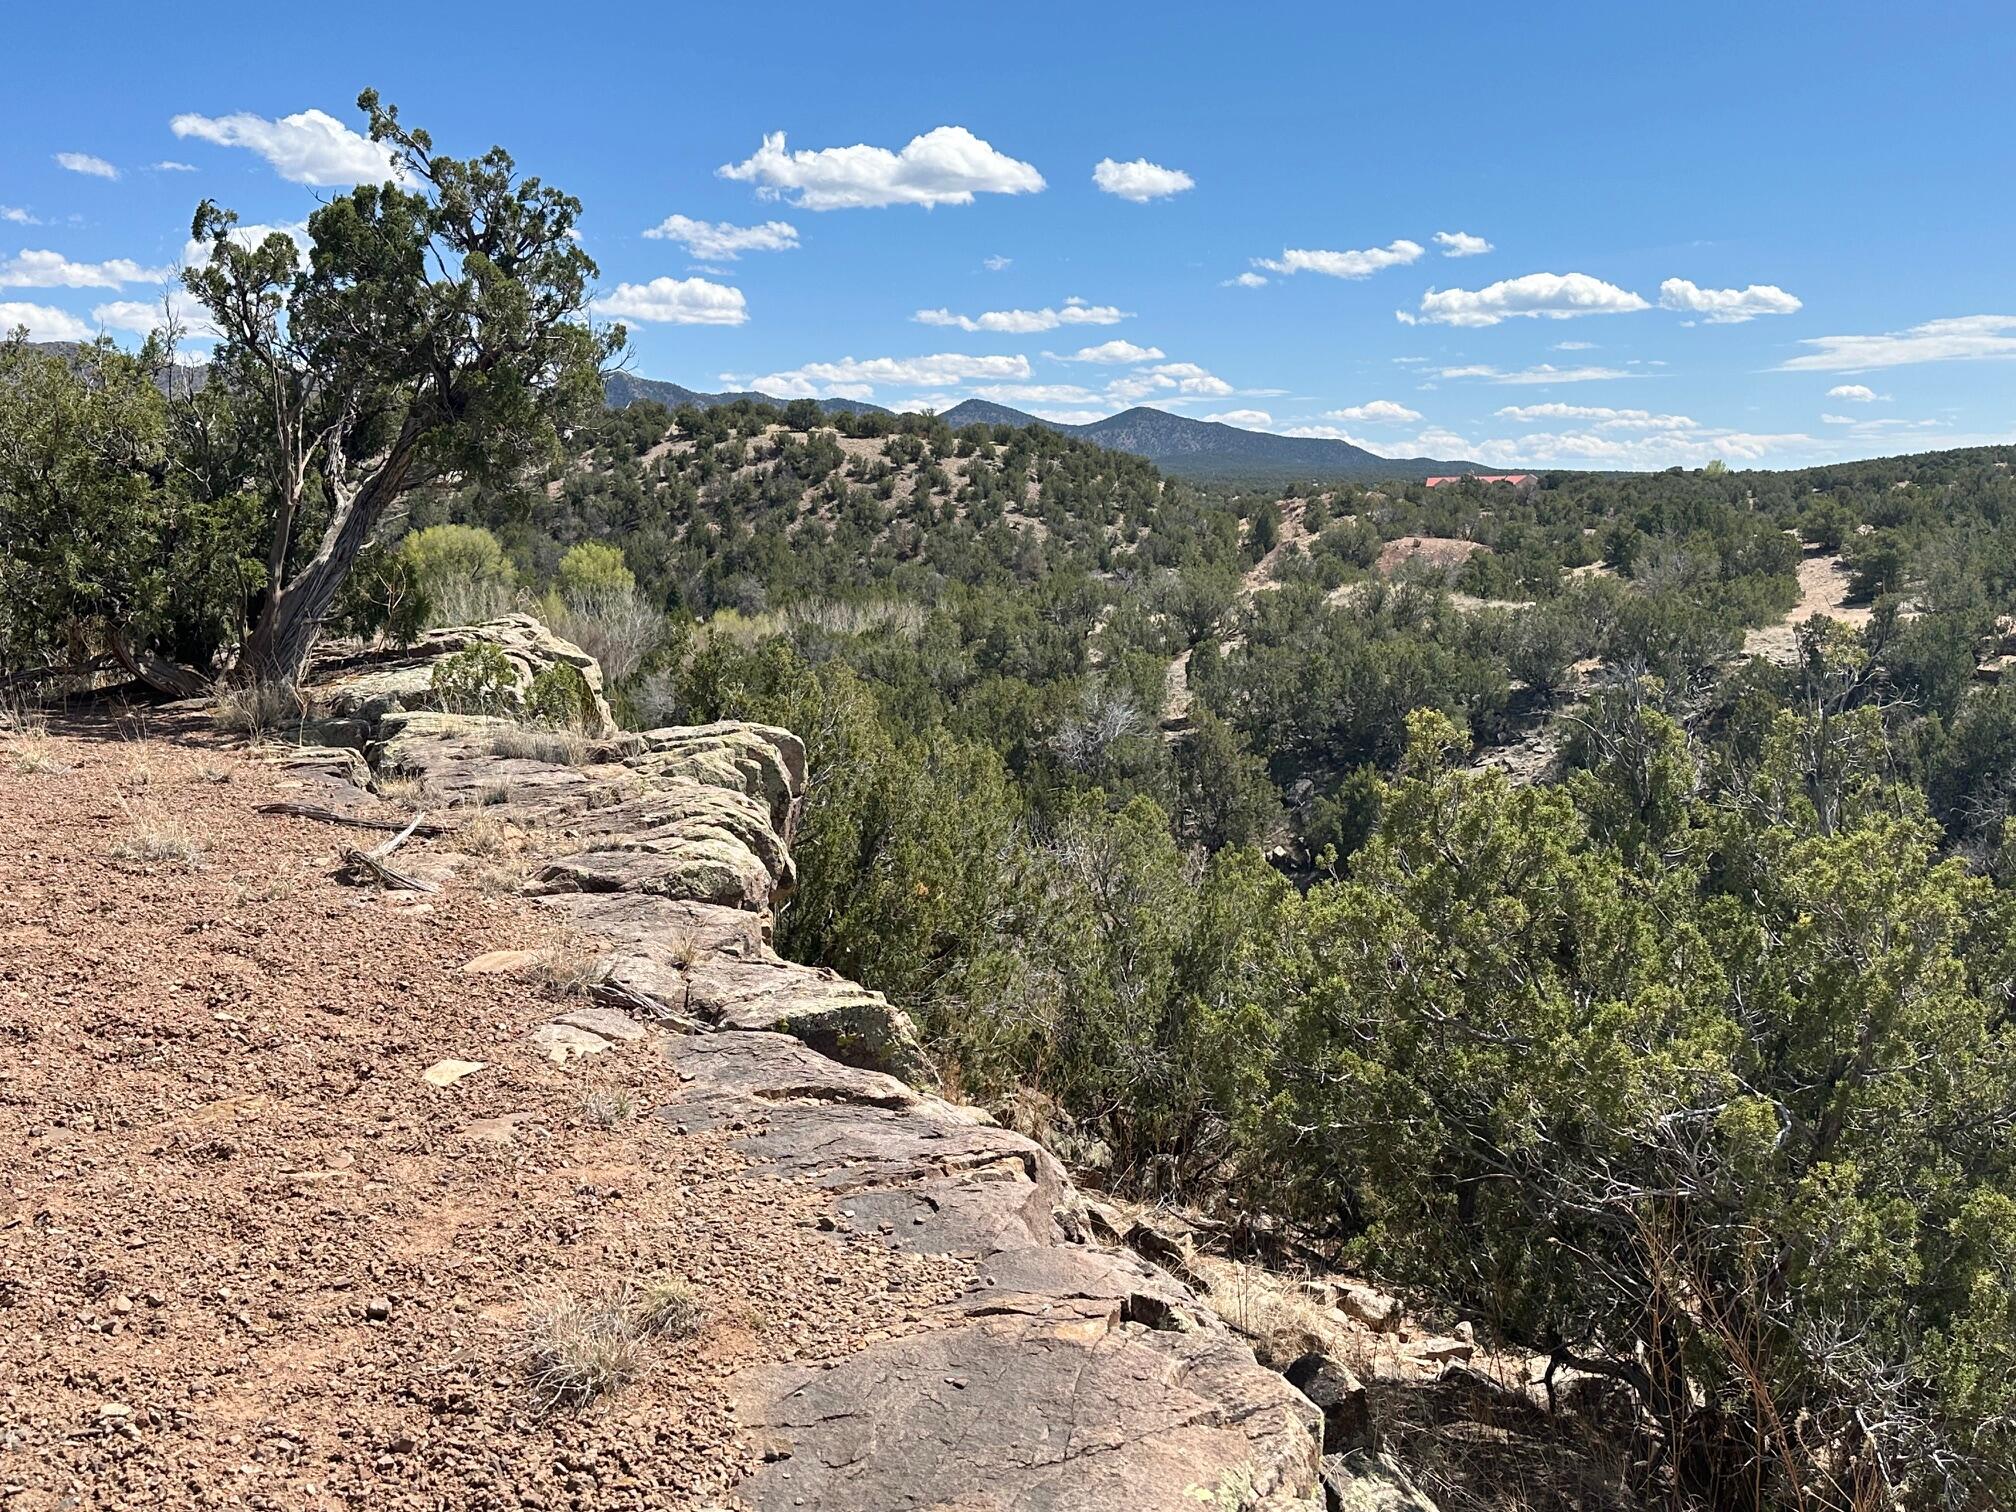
219 1164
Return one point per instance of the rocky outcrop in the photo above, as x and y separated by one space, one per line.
351 697
1072 1374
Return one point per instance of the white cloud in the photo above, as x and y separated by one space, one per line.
1574 346
1861 393
718 241
1036 393
17 216
44 322
1249 418
1189 378
1114 351
676 301
1140 180
1961 338
1342 264
309 147
1727 306
1608 449
857 378
1024 322
52 270
140 317
1138 386
1544 372
1376 412
995 264
1604 417
84 162
945 166
1246 281
1549 296
169 165
1461 244
196 254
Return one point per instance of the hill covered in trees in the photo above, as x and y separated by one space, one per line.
1430 881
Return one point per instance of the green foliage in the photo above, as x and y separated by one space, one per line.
102 546
560 697
479 679
593 567
462 571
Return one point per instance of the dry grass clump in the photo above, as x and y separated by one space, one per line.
568 965
258 709
607 1108
153 838
554 747
665 1307
29 749
400 787
581 1348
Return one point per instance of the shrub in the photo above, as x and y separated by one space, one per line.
614 625
580 1348
561 698
478 680
593 567
463 571
257 709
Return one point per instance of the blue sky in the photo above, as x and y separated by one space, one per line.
1792 227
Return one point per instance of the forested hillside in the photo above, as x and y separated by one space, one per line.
1426 877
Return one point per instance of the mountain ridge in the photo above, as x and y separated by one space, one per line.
1175 443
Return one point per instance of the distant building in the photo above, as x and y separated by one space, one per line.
1517 480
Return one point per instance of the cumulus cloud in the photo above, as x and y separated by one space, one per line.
44 322
169 165
1961 338
1140 180
996 263
1609 449
1024 322
858 378
309 147
675 301
52 270
1544 372
1246 281
1601 415
1189 378
196 254
1250 418
1861 393
1036 393
1376 412
1461 244
1112 352
718 241
1727 306
945 166
85 163
17 216
1548 296
140 317
1342 264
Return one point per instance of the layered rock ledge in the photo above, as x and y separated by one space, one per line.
1072 1375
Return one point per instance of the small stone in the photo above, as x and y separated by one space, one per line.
445 1073
378 1309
